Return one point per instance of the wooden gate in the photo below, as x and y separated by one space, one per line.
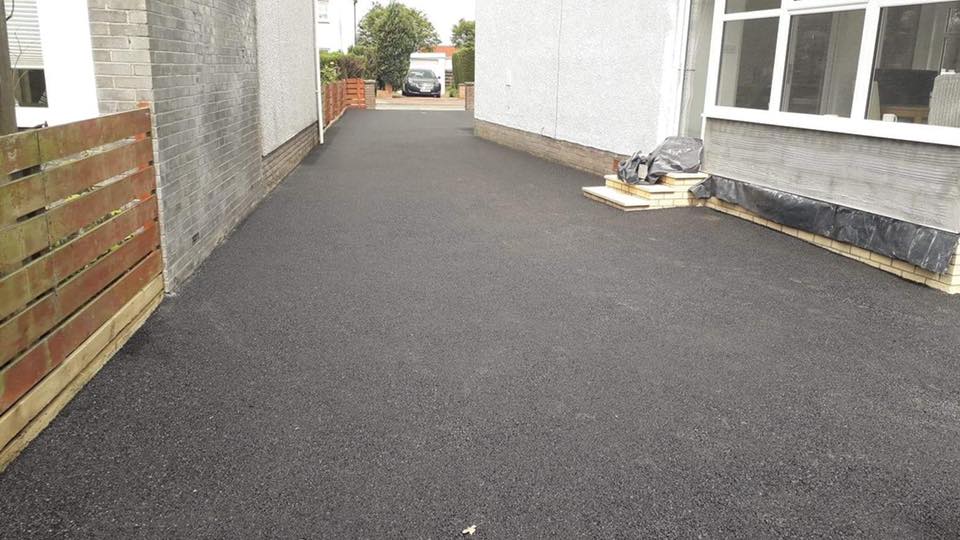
80 261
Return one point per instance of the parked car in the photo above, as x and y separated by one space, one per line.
421 82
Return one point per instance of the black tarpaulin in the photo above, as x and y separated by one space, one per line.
926 247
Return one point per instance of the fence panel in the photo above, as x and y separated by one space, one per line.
80 260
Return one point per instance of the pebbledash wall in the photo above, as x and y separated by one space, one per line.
216 113
288 98
602 75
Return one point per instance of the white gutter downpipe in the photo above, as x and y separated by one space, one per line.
319 79
683 44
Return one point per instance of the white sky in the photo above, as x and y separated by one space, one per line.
442 13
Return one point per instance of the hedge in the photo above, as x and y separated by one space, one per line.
349 66
463 66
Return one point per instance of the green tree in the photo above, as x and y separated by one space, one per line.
464 34
388 34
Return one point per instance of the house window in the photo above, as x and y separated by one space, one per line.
26 55
746 66
917 49
30 89
884 68
822 57
323 11
741 6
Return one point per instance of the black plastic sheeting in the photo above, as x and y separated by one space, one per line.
675 154
928 248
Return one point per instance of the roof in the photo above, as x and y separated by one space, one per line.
446 49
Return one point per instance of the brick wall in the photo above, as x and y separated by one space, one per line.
207 123
370 94
282 161
468 93
591 160
121 53
195 62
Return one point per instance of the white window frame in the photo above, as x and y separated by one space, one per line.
857 124
323 15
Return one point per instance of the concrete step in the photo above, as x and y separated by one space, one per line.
615 198
673 179
648 191
684 179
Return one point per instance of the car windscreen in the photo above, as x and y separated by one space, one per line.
421 74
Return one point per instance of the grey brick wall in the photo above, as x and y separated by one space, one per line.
119 36
195 62
204 73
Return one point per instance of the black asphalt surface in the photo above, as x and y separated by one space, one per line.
420 331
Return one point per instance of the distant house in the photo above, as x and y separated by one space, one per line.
336 24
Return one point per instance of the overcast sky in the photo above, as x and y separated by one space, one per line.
442 13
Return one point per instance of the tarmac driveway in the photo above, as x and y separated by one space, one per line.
420 331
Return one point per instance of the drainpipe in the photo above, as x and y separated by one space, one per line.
316 68
682 44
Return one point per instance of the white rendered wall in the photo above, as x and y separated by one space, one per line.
67 65
287 74
601 74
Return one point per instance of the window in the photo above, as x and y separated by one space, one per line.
881 68
323 11
741 6
915 69
746 64
26 56
30 89
822 59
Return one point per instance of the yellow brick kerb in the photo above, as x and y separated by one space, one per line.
948 282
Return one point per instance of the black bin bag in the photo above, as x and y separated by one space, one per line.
675 154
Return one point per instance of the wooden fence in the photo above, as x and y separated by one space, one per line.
80 261
340 96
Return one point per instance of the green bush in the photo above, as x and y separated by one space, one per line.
463 66
329 72
349 66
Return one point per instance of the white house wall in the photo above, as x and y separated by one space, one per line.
337 33
600 74
285 50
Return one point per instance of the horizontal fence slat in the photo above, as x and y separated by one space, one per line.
74 177
68 139
76 254
24 239
19 151
26 327
21 331
22 286
105 341
21 197
82 211
80 288
19 376
34 192
41 275
21 240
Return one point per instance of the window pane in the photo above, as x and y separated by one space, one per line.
746 63
918 55
822 60
30 89
739 6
